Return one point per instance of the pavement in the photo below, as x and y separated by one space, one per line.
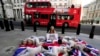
91 24
10 40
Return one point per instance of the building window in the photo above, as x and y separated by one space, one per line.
14 5
17 1
99 6
96 15
65 4
99 14
21 1
91 8
24 1
20 13
54 4
60 4
95 7
89 15
14 1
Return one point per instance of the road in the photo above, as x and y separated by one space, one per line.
84 28
11 39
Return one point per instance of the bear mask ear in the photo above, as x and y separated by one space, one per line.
59 41
45 47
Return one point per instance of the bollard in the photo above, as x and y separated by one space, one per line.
48 27
63 29
22 26
78 29
1 25
92 32
6 23
34 27
11 25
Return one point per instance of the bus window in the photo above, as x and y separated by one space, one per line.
38 5
58 17
35 5
53 16
68 18
43 5
36 15
44 16
62 17
71 17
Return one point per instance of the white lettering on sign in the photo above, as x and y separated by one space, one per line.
31 10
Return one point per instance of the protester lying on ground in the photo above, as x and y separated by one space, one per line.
62 47
31 43
23 43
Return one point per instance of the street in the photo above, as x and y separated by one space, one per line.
9 40
84 28
15 13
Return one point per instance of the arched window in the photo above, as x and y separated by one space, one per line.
60 4
65 5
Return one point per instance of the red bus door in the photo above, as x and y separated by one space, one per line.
41 18
36 16
53 19
28 19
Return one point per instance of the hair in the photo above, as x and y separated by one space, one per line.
29 40
45 47
22 42
59 40
52 30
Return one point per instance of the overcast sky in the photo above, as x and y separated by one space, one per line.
85 2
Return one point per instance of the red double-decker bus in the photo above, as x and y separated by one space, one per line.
71 18
37 12
42 13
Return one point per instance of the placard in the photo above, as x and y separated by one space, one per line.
52 37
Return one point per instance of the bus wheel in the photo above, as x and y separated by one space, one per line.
65 24
37 23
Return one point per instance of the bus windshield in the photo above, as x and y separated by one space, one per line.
38 4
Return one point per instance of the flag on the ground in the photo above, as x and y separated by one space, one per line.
20 51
